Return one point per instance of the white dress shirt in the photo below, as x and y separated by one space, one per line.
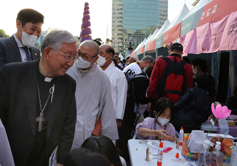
22 52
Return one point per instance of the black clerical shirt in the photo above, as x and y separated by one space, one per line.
37 155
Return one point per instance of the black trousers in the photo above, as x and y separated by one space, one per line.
125 133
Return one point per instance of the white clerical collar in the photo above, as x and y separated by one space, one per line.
48 79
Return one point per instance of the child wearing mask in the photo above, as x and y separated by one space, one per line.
158 127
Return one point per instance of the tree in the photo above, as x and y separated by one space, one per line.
3 33
108 41
98 41
37 46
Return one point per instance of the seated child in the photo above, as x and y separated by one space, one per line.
158 127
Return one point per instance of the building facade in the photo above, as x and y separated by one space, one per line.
135 20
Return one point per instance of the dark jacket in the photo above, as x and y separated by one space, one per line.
192 109
18 105
9 51
140 87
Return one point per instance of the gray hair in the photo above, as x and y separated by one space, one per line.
148 58
56 38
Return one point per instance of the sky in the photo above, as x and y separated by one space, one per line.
68 14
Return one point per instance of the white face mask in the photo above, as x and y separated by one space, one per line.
195 70
162 121
101 60
83 64
28 40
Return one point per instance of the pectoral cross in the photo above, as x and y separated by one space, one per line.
40 119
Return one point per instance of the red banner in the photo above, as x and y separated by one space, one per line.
216 10
151 45
141 50
172 34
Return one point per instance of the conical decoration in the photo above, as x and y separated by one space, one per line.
85 26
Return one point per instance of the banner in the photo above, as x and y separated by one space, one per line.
159 41
141 50
172 34
191 22
151 45
216 10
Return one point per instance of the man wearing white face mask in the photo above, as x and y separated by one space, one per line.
93 96
139 67
117 79
19 47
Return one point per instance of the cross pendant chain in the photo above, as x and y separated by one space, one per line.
40 119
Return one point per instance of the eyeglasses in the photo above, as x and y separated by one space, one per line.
86 57
68 57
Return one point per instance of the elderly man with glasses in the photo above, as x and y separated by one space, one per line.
37 102
93 96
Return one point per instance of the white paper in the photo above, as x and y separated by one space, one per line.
196 140
212 122
53 158
224 127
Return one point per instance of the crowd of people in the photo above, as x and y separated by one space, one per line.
81 102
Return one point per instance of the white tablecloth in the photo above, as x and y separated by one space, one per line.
137 151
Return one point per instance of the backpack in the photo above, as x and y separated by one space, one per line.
131 76
173 82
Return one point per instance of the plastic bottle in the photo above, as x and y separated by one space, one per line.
233 159
217 156
181 134
204 157
160 154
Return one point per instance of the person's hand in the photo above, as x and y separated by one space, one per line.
59 165
162 134
172 138
119 123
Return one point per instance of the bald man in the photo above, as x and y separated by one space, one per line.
93 95
117 79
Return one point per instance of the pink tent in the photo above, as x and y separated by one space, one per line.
229 37
213 31
189 42
217 30
204 38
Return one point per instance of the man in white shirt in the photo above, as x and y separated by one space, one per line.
93 95
139 67
117 79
